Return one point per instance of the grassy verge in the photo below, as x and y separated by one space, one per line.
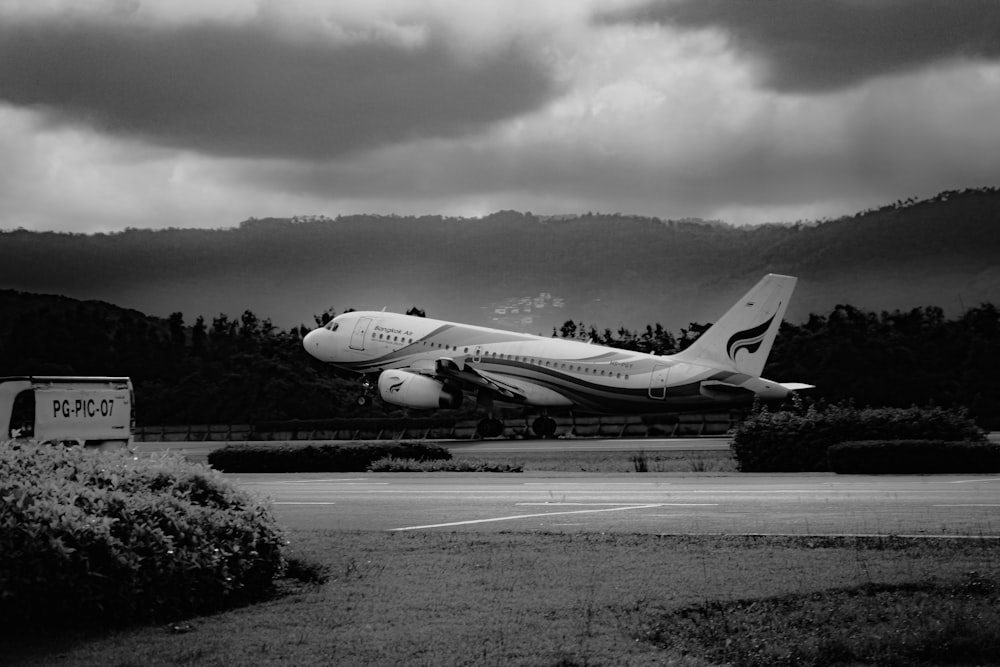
442 598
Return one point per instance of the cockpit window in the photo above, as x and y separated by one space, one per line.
333 326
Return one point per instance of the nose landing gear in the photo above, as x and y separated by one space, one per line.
365 398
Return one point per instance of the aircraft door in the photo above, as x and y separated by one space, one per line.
658 382
360 332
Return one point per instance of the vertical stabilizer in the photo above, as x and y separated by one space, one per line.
741 340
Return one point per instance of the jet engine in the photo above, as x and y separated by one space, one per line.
411 390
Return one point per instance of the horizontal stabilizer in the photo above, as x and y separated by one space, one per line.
797 386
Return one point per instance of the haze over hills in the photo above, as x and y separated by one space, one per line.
610 270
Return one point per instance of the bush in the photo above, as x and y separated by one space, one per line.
795 441
350 457
102 538
914 457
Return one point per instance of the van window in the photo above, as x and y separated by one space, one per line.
22 415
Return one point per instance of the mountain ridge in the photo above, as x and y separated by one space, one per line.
611 270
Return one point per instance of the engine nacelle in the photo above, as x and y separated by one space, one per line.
411 390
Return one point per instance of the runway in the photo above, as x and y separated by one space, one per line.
658 503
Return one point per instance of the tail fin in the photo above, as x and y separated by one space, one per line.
742 338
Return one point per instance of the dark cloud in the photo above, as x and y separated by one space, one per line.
835 44
246 91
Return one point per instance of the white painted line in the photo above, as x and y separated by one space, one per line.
524 516
618 504
593 483
550 504
290 502
970 481
346 482
907 536
969 505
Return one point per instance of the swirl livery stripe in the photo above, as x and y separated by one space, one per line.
748 339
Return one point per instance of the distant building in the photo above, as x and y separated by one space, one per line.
532 314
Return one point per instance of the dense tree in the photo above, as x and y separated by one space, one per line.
247 370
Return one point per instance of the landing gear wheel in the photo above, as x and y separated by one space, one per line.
544 427
489 428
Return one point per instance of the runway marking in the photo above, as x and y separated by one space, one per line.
970 505
525 516
908 536
353 481
620 504
549 504
970 481
292 502
601 483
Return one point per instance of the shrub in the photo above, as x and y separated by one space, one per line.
103 538
795 441
914 457
349 457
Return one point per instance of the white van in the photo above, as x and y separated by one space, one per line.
92 411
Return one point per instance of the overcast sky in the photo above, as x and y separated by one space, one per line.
202 113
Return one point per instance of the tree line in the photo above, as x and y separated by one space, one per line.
246 370
887 359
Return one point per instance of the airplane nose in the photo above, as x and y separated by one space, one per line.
313 342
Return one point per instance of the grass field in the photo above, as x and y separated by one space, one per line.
443 598
588 599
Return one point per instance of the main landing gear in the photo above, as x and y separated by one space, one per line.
544 427
490 427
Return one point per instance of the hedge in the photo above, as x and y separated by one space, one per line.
914 457
797 441
347 457
104 538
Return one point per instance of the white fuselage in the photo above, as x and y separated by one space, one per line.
531 370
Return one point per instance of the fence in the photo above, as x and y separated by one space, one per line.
631 426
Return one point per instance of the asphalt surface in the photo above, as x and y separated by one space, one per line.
661 503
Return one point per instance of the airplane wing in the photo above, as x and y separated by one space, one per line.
465 374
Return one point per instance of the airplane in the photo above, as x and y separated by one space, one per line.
423 363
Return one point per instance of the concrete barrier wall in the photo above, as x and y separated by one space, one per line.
610 426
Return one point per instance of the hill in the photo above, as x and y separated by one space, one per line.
607 270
